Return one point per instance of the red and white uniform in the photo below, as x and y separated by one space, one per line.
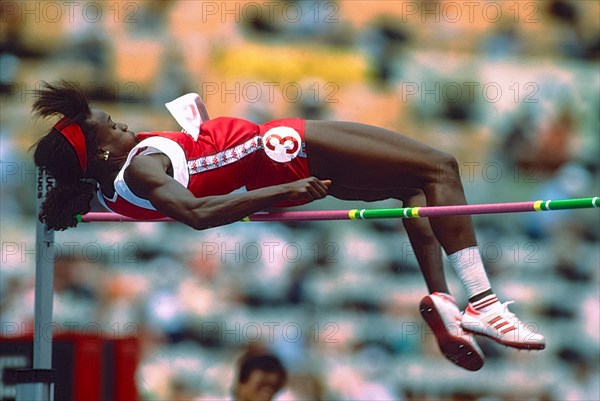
229 153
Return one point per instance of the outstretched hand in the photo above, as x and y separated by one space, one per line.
307 189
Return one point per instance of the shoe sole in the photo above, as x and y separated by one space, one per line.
512 344
457 350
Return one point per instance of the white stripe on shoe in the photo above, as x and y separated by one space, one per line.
501 325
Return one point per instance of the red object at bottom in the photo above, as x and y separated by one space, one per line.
87 367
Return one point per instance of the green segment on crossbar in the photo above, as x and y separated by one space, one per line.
567 204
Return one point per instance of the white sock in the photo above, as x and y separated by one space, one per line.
468 266
485 304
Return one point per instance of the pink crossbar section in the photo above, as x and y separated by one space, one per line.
301 215
306 215
315 215
115 217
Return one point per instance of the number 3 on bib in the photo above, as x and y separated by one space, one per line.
282 144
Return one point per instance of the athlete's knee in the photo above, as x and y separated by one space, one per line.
412 197
445 168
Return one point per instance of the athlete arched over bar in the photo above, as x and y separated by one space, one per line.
189 176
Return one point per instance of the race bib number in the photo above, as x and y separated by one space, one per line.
282 144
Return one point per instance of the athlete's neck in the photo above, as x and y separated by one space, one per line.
106 182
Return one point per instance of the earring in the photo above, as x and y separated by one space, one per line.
104 155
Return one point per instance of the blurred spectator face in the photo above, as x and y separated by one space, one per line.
259 386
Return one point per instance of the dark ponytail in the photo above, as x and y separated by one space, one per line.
64 202
71 195
62 98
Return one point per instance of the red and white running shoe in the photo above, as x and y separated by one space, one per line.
502 326
443 316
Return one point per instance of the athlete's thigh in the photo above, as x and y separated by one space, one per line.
371 195
362 156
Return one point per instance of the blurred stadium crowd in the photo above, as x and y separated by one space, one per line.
511 88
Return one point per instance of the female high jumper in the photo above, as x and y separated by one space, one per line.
190 176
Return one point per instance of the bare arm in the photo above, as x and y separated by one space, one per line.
146 176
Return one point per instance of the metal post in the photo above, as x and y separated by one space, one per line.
40 386
33 384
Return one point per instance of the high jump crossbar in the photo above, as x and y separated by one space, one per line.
38 383
367 214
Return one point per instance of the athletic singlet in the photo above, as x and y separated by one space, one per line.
230 153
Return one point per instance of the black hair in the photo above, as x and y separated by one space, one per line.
263 361
71 194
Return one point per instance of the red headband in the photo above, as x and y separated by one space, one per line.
73 133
